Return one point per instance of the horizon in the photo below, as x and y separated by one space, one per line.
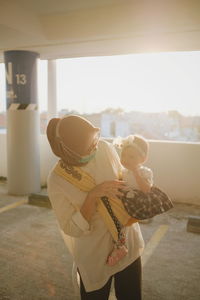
115 111
150 82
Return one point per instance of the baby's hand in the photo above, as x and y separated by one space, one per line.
133 167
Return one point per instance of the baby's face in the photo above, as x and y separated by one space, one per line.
131 158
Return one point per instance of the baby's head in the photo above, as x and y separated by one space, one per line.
134 151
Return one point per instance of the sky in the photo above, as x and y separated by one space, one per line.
153 82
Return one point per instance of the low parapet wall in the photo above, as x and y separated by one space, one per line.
176 166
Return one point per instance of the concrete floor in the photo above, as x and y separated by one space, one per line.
35 264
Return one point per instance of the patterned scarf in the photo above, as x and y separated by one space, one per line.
85 182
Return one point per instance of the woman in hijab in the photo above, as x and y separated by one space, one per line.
79 187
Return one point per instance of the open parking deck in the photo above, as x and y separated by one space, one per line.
35 264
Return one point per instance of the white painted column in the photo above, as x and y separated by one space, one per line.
52 90
23 147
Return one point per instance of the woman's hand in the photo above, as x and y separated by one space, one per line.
110 189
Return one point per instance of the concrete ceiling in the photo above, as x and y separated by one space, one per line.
64 28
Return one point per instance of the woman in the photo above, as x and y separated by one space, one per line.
87 173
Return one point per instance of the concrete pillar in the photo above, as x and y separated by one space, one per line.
23 147
52 89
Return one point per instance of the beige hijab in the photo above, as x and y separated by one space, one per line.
70 137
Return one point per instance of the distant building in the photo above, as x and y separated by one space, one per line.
115 122
113 125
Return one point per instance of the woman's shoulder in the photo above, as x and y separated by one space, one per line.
109 147
51 173
103 143
53 179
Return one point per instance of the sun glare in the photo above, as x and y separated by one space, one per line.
143 82
153 82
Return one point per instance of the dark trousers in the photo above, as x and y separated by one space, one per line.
127 283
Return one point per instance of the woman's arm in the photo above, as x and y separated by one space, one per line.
72 220
89 207
69 218
107 188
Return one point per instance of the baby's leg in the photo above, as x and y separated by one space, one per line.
143 206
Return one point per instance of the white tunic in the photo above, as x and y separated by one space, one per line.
90 244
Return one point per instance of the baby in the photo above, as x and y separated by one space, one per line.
142 200
134 152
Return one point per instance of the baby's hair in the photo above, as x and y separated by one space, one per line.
136 141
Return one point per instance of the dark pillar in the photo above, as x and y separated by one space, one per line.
23 134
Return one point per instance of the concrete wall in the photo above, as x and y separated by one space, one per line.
47 158
176 167
3 155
